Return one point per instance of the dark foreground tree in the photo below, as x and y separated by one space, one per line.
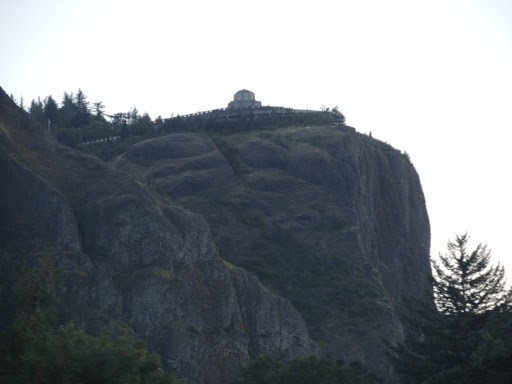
270 370
36 351
468 337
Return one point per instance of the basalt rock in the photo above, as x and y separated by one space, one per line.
134 260
330 219
217 248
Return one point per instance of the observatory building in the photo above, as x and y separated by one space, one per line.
244 99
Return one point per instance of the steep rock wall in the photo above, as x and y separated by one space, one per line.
134 261
333 220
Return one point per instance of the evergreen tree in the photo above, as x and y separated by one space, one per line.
82 115
99 108
36 110
467 337
141 125
465 283
51 110
67 111
133 116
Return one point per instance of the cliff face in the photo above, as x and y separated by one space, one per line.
135 260
332 222
320 215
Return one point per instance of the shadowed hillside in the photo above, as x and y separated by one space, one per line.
329 226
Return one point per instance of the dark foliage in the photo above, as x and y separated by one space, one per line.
384 146
465 283
468 337
35 349
270 370
77 125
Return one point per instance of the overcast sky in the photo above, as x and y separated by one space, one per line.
433 78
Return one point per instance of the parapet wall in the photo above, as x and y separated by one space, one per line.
228 113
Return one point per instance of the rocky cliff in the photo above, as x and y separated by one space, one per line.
333 224
135 260
330 219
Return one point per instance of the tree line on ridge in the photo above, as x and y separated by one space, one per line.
80 124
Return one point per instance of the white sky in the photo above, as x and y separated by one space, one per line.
432 77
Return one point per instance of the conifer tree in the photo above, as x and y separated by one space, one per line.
51 110
465 282
36 110
99 108
467 337
67 110
82 115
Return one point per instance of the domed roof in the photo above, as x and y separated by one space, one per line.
243 99
244 94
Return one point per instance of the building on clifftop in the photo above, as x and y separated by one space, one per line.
244 99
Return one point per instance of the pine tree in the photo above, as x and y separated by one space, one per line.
67 110
467 337
99 108
82 115
51 110
36 110
465 282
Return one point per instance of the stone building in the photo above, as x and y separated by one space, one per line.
244 99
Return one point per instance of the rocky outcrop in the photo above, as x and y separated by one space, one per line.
135 259
333 220
331 226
